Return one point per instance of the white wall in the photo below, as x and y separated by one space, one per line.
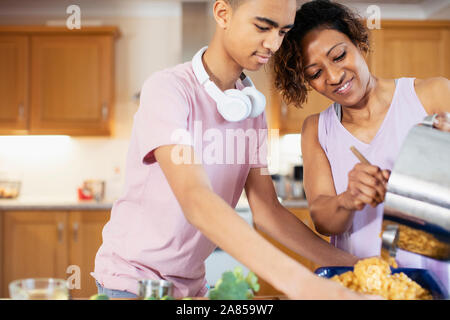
55 166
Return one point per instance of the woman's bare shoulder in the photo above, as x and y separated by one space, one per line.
310 123
431 83
433 93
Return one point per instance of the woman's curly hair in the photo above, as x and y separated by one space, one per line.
287 63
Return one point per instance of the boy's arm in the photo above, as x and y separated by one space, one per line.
276 221
221 224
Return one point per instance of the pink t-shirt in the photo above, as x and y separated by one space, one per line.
148 236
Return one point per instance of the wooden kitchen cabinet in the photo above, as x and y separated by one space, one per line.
14 79
71 84
45 243
304 216
400 49
85 240
67 76
289 119
34 246
411 49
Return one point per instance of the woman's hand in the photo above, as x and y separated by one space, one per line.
366 185
442 121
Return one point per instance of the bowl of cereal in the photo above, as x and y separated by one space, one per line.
375 276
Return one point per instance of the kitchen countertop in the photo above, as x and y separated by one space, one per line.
288 203
295 203
50 203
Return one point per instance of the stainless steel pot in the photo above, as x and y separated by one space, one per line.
417 203
155 288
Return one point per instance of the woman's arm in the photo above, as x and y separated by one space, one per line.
328 211
219 222
332 214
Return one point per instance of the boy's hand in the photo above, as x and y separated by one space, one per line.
325 289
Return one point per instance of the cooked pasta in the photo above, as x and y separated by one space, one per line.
373 276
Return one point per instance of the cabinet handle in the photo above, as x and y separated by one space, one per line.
60 231
21 111
105 111
75 231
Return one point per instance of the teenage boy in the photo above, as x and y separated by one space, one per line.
177 206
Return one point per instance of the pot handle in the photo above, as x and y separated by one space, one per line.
429 120
439 121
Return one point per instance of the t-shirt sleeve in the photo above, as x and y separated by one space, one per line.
259 154
162 115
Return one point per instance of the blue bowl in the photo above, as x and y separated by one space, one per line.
425 278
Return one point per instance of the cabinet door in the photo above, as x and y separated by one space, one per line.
303 214
2 258
407 49
291 118
34 245
71 84
85 240
13 84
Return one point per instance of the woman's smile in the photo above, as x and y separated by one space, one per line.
345 88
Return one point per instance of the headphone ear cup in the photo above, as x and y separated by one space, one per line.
258 101
235 106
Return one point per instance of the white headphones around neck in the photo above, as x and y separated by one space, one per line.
234 105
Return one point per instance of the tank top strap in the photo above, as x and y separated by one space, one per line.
338 109
406 99
325 126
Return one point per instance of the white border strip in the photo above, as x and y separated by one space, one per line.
92 8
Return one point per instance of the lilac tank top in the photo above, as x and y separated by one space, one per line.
363 238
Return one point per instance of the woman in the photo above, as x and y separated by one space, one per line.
325 51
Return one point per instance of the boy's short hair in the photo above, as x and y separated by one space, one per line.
235 3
